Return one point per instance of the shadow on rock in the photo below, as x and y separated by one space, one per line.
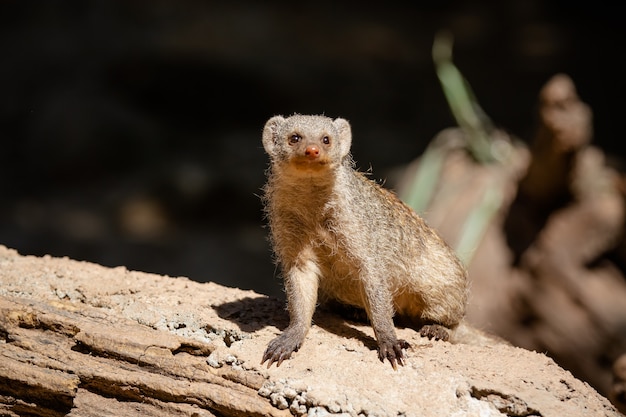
252 314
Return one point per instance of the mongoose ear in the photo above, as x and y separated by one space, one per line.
345 135
270 132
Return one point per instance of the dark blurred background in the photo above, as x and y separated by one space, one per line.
130 130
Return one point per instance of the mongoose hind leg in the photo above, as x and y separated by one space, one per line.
435 331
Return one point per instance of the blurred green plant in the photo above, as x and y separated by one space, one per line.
479 141
465 108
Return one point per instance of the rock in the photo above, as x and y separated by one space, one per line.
80 339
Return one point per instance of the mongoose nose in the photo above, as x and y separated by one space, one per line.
312 151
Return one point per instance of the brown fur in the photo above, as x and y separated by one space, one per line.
338 233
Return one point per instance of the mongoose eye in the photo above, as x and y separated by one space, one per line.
295 138
325 140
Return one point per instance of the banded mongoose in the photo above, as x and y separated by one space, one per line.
336 232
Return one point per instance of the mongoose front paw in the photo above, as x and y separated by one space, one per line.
280 349
392 351
435 331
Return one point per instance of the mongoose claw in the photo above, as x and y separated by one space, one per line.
279 349
435 331
392 351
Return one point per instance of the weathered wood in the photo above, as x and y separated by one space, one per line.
79 339
49 351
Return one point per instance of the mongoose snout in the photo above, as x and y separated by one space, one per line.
312 152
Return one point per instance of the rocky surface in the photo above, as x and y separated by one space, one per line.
80 339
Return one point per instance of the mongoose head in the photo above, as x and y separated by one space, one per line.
306 145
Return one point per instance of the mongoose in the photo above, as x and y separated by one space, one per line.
336 232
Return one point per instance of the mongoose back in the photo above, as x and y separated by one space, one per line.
337 233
